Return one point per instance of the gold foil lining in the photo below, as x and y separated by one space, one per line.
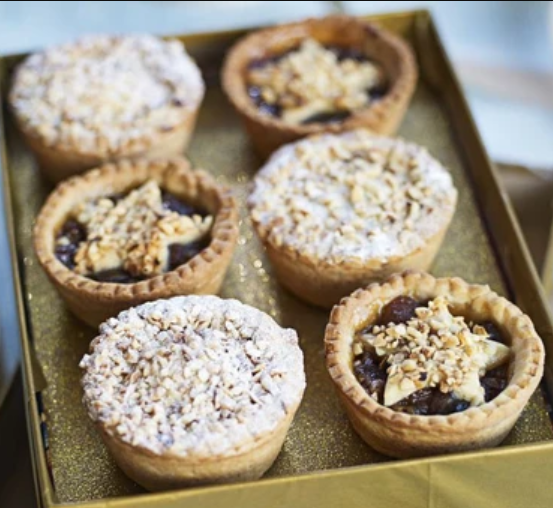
321 437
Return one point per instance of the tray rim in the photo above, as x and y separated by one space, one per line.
26 363
45 492
547 269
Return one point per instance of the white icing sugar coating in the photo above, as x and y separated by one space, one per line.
104 94
192 375
351 197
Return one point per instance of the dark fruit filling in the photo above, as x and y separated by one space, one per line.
178 253
171 202
275 110
75 233
399 310
370 370
269 109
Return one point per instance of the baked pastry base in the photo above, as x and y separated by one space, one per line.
58 163
402 435
168 471
324 284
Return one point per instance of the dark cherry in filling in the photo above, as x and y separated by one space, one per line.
178 253
254 92
370 370
399 310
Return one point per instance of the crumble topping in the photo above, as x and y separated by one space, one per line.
195 374
433 349
133 233
351 197
313 80
103 94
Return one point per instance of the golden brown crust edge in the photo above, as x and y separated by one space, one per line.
247 462
94 302
324 285
383 117
401 435
58 163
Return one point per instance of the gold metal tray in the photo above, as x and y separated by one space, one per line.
547 269
323 462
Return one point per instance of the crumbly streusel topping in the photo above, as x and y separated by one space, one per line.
351 197
313 80
433 349
133 233
195 374
104 94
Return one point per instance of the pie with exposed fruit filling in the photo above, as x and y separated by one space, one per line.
330 74
428 365
136 231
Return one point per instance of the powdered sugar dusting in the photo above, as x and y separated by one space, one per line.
103 94
194 374
352 197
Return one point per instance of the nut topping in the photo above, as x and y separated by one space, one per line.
133 233
431 349
104 95
313 81
324 197
194 374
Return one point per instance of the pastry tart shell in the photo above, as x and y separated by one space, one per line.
94 302
384 116
58 162
246 462
401 435
324 284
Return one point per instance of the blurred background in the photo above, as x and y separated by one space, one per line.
503 51
503 54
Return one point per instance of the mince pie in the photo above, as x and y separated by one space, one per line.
320 75
135 231
426 366
337 211
193 390
104 98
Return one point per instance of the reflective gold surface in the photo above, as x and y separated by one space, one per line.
321 437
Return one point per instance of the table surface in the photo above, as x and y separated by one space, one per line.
507 80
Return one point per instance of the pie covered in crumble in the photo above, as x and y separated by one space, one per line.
193 390
103 98
337 211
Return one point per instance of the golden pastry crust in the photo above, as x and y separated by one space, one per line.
384 116
402 435
92 301
59 163
167 472
324 284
